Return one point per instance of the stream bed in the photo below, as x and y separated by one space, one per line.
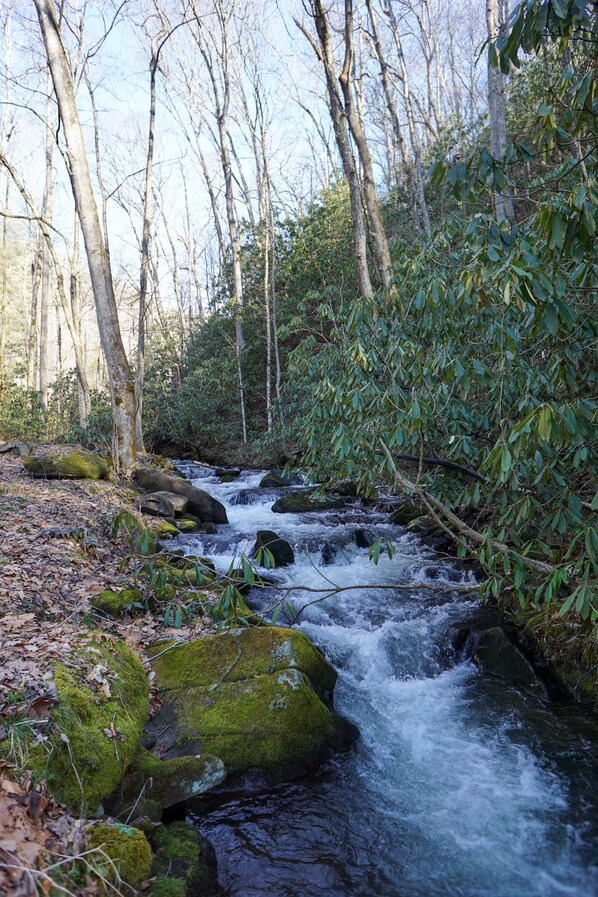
460 786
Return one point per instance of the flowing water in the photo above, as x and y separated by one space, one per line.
459 786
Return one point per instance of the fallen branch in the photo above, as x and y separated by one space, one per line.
439 510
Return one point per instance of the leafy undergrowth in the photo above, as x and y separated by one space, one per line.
58 552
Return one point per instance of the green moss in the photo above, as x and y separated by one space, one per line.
169 887
126 848
180 857
83 765
186 526
569 648
241 655
171 782
164 529
62 464
270 722
114 603
251 697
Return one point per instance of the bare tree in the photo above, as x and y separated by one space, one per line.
213 45
324 53
119 373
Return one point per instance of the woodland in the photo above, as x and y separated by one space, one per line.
352 239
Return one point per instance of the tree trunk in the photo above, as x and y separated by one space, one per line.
46 281
503 204
119 372
145 244
324 53
346 79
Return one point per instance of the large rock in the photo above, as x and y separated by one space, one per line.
65 462
305 502
495 653
201 504
274 479
280 549
170 782
94 728
231 473
260 699
163 504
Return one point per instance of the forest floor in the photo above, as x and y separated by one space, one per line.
56 555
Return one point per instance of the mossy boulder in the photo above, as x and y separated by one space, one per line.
171 781
258 698
306 502
165 529
113 604
186 525
183 863
127 851
82 761
68 462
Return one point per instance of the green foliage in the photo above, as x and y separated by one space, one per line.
484 350
21 414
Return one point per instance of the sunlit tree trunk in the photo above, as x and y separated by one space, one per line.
119 372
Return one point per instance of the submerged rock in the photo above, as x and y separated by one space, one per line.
68 462
201 504
495 653
260 699
280 549
304 502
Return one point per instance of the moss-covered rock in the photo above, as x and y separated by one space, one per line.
113 604
172 781
82 762
129 856
257 698
186 524
165 529
306 502
69 462
183 863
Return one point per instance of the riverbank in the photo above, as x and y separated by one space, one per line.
61 550
58 553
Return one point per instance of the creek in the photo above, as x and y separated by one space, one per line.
460 785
